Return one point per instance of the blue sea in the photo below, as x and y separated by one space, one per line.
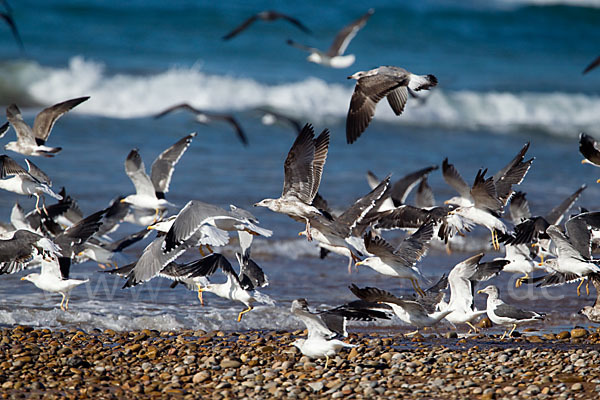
509 71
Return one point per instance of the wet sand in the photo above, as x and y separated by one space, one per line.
36 363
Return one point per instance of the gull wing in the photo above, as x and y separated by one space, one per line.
136 171
164 165
564 247
9 167
151 262
355 213
508 311
579 229
402 188
13 28
453 178
592 65
24 133
44 121
314 324
251 275
555 216
424 197
415 246
519 208
484 193
241 27
397 99
345 36
459 279
38 173
375 295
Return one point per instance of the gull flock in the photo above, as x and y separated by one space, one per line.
54 237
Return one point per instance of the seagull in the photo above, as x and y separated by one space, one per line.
589 148
501 313
32 142
10 21
21 248
592 65
520 260
334 57
303 168
411 311
150 190
338 234
54 277
400 262
462 280
593 312
400 190
268 16
270 117
240 287
373 85
205 117
574 260
33 182
324 327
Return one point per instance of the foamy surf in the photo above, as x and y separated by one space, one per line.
134 96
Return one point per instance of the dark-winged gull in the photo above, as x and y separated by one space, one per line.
588 147
10 21
268 16
338 234
334 57
242 287
324 327
400 190
54 277
21 248
593 312
372 86
32 142
411 311
204 117
462 280
501 313
270 117
303 168
592 65
33 182
150 190
400 262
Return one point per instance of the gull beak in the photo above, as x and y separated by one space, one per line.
480 291
80 253
541 264
122 201
358 263
598 181
150 227
350 77
584 161
302 233
23 279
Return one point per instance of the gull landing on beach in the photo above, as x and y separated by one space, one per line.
372 86
334 57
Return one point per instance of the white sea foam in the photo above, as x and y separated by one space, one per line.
131 96
570 3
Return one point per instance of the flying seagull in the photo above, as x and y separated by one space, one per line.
268 16
32 142
33 182
10 21
303 168
334 57
588 147
372 86
205 117
325 327
501 313
150 190
54 277
592 65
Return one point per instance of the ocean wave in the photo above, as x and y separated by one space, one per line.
542 3
133 96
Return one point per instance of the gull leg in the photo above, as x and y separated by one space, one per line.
37 202
579 288
102 266
350 261
326 360
62 301
417 287
201 251
412 333
200 294
448 249
587 287
44 206
308 235
522 279
512 330
472 327
241 314
67 303
210 250
503 335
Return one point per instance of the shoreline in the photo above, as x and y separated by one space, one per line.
263 364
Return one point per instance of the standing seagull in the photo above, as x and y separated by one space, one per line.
31 142
54 277
334 57
205 117
268 16
33 182
372 86
150 190
501 313
303 168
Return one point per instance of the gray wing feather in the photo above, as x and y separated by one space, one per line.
345 36
453 178
136 171
162 168
508 311
44 121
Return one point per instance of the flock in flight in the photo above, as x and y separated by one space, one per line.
56 236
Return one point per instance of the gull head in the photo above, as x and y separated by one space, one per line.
315 58
12 146
31 277
268 203
298 343
358 75
490 290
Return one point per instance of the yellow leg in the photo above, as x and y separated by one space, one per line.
241 314
201 251
62 301
417 287
522 279
412 333
210 250
67 304
326 361
472 327
200 294
579 288
587 287
503 335
37 202
102 266
512 330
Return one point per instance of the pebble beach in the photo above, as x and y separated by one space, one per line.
43 363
